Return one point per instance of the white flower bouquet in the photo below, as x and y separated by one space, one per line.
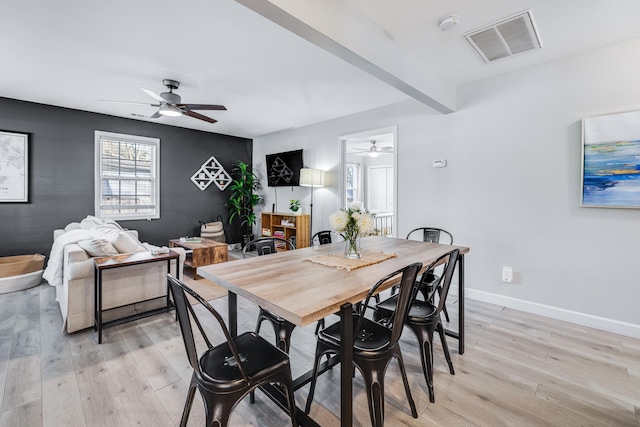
352 223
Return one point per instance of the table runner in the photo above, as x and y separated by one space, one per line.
339 261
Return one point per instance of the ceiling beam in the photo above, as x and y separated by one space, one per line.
338 28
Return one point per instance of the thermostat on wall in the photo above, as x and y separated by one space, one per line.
439 163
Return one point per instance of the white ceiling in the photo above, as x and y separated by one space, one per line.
72 54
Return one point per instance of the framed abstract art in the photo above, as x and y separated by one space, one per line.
611 161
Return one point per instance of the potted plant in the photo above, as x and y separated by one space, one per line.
294 205
244 199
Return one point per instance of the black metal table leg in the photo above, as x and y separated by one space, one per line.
95 299
461 304
99 306
459 335
346 365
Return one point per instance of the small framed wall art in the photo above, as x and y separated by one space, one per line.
611 161
14 167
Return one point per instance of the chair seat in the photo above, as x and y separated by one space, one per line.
219 366
419 311
372 336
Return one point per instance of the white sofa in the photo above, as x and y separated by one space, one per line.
129 287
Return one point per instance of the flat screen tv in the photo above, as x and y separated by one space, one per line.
283 169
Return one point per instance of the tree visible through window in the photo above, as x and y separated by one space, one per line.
127 176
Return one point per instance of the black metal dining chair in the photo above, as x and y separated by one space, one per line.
227 372
424 318
374 345
282 328
433 235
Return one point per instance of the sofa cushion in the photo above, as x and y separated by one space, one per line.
98 247
125 244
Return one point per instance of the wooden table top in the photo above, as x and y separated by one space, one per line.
302 291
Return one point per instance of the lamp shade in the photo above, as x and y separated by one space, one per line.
311 177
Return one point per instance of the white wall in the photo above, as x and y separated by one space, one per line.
511 190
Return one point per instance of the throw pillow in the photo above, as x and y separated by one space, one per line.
97 247
126 244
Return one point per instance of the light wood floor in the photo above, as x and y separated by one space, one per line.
518 370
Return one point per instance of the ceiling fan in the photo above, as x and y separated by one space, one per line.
170 104
374 150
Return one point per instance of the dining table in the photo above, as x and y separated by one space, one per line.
302 287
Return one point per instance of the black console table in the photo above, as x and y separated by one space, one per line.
125 260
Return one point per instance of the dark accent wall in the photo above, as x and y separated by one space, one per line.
61 175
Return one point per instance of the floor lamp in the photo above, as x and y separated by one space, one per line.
311 178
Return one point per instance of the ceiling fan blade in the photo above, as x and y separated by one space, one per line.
153 116
129 102
153 95
202 106
198 116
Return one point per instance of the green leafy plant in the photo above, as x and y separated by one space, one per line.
244 197
294 205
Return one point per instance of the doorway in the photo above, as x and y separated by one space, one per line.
369 175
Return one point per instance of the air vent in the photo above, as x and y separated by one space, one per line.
507 37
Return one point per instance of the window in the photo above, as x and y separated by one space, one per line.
127 176
353 183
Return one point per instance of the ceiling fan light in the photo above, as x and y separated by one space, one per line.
167 110
373 154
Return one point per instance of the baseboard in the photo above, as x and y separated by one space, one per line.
602 323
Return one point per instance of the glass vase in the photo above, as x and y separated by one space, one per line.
352 248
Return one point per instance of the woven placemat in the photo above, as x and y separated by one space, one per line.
339 261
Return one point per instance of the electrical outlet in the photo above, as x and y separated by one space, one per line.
507 274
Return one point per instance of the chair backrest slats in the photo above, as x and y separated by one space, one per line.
324 237
448 276
267 245
433 235
181 303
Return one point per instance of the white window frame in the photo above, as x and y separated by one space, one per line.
155 178
357 183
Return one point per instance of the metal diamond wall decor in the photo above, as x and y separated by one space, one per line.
211 171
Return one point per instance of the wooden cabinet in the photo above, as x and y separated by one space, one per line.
294 228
